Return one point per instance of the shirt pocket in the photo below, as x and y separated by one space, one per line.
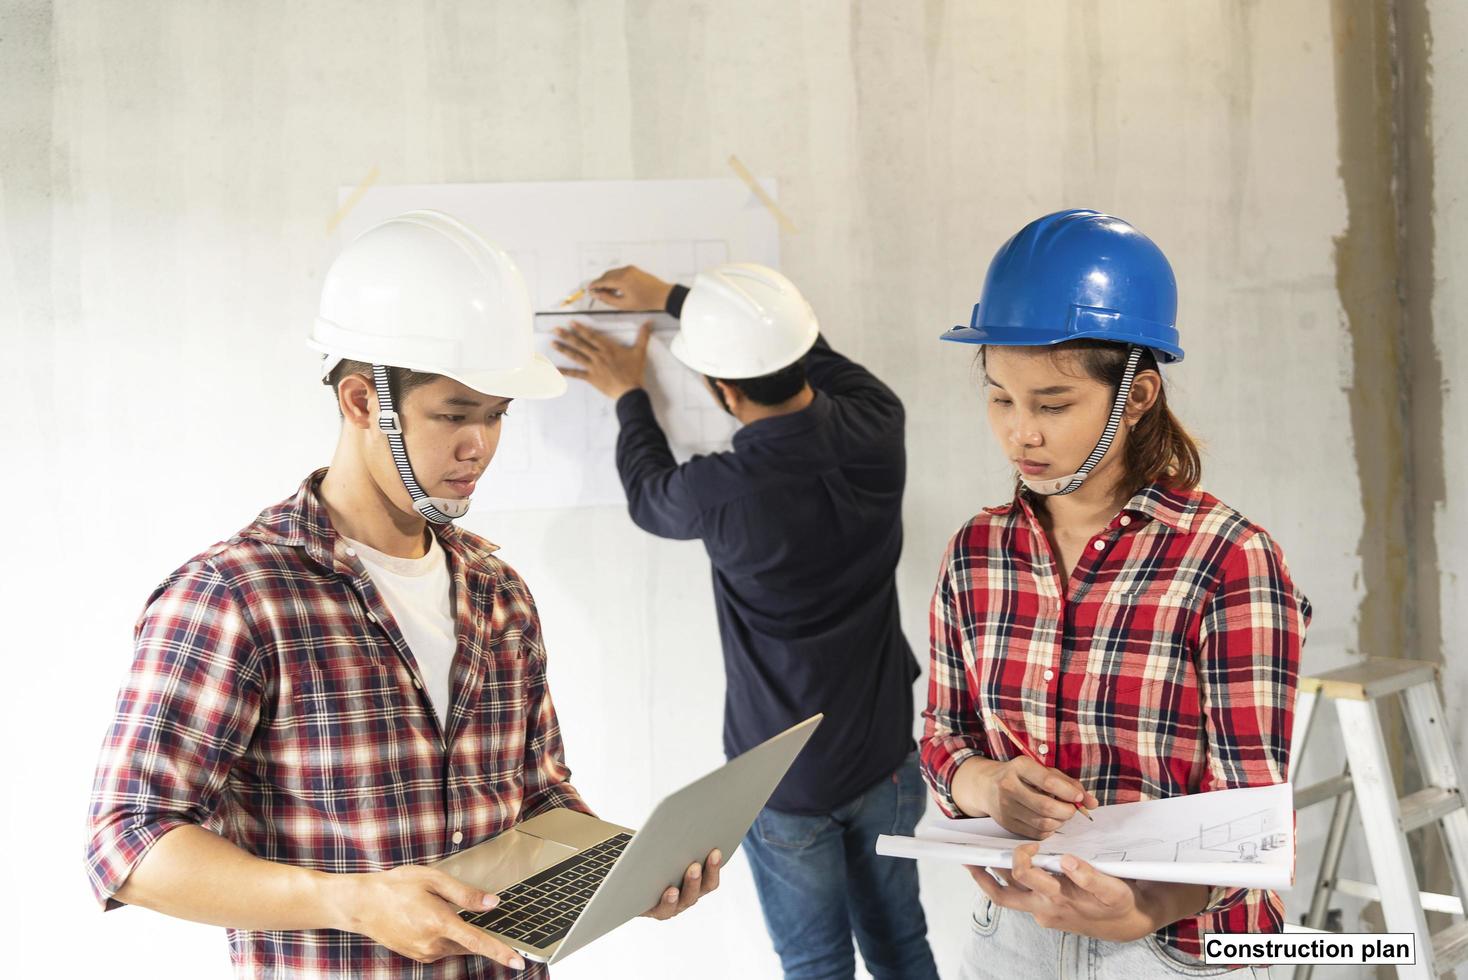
1141 652
346 714
499 718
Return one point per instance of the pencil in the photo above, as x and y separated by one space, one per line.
1026 750
573 297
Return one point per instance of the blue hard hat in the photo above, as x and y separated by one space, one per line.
1072 275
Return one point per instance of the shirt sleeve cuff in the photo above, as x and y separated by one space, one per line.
563 796
940 776
1223 897
633 405
116 852
674 306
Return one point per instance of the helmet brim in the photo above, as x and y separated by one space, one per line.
1018 337
537 378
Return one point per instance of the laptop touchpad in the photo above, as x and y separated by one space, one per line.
499 863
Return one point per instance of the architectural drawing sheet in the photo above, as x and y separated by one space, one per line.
1241 838
561 452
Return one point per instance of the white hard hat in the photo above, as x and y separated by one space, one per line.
743 320
423 291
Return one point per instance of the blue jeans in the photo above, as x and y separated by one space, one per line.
820 880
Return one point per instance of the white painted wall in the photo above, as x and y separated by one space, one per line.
162 237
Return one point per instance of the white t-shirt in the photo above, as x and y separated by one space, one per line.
418 593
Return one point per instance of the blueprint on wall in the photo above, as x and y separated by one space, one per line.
1239 838
561 452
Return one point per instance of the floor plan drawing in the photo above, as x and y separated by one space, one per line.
562 234
680 260
1242 837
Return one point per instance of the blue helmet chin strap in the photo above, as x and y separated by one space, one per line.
1062 485
437 510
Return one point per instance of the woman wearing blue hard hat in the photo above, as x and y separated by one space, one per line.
1113 633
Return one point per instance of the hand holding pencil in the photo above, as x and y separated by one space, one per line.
1030 753
1023 795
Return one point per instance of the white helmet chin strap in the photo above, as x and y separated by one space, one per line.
438 510
1070 484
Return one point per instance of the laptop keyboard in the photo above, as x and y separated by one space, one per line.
541 909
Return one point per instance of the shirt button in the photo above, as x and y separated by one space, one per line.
372 617
1050 675
458 837
417 683
1044 749
1125 520
1099 545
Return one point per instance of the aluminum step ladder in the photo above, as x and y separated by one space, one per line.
1366 784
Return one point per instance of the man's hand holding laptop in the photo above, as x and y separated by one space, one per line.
697 882
413 910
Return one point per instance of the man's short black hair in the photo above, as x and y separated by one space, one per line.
770 389
400 381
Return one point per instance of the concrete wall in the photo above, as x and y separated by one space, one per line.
167 172
1442 342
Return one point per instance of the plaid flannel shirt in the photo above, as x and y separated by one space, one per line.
273 700
1167 665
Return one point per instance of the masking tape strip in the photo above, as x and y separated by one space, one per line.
351 201
758 191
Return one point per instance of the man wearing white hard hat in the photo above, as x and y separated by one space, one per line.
351 687
802 522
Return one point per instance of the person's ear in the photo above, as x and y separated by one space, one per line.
357 401
734 399
1146 387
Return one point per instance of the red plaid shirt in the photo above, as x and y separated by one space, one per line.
272 700
1166 665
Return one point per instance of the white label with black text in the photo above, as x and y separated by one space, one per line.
1334 948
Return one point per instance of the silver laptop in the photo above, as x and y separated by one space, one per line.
565 879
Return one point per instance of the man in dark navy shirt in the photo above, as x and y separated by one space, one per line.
802 522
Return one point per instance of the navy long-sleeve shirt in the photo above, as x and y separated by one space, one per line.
802 522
